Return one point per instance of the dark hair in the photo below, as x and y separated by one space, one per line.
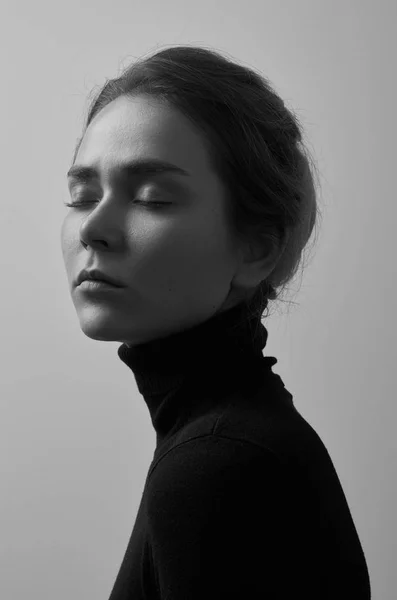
254 142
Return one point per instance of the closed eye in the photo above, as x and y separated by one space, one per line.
147 202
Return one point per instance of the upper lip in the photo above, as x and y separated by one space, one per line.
96 274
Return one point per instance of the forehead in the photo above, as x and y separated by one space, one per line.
140 127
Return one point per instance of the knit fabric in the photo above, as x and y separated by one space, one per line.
241 499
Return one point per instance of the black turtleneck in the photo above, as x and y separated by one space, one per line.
241 499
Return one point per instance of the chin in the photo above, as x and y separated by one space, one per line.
101 329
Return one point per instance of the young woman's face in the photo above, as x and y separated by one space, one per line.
176 260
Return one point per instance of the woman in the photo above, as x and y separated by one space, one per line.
192 191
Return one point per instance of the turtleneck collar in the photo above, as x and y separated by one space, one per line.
223 351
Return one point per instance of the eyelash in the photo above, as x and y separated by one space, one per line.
78 204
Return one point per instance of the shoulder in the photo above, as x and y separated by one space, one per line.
227 490
213 466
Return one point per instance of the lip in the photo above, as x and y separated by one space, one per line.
95 286
95 275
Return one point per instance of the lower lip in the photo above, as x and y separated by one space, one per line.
90 285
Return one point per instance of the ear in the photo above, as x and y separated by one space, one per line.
258 260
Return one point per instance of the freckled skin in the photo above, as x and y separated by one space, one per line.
180 264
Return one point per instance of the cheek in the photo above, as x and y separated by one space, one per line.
69 243
65 238
192 258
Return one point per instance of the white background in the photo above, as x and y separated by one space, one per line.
75 435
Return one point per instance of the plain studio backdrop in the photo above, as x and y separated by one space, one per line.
76 439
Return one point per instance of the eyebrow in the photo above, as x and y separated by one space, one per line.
151 166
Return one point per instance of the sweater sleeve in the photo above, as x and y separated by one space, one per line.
222 524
